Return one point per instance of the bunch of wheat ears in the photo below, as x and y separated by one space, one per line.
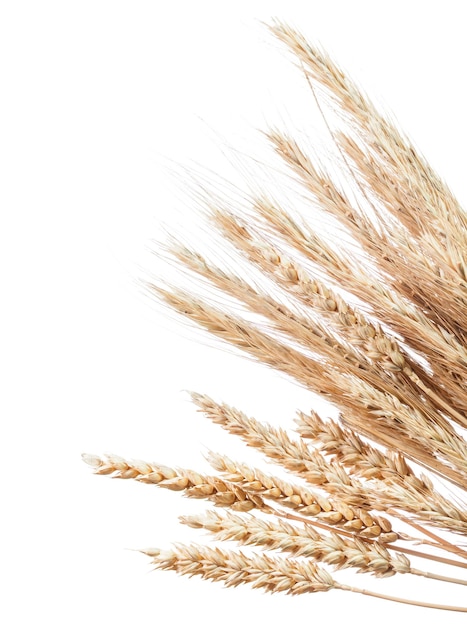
376 324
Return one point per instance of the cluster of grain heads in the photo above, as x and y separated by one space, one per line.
385 481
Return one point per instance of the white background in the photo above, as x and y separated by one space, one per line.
97 99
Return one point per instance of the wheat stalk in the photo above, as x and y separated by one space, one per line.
351 324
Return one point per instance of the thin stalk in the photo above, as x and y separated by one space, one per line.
427 605
441 543
426 555
445 579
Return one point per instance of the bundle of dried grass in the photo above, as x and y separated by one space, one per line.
377 325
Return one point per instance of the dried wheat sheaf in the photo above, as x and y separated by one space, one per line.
377 325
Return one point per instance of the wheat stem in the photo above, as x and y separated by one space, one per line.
433 576
382 596
437 540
